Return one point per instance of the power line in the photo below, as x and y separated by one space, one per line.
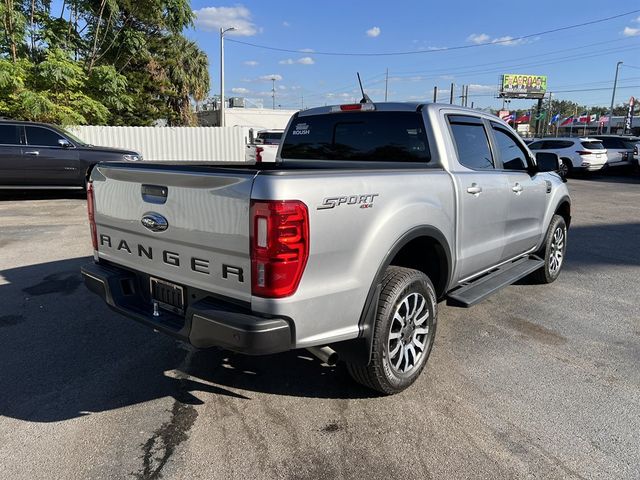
457 47
515 59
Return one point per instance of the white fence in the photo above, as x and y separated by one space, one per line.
171 143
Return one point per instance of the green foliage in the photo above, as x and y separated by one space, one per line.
121 62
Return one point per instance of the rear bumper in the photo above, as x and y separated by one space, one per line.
207 322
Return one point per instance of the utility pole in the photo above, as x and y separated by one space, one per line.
613 96
386 85
451 94
273 92
222 32
435 94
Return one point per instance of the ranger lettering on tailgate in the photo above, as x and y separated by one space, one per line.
199 265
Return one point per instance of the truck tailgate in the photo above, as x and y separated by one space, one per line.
206 242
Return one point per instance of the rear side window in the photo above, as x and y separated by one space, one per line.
364 136
9 135
471 142
539 145
42 137
592 145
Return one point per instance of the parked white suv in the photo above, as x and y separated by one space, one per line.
620 150
576 153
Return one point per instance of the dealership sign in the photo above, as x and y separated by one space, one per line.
628 121
518 85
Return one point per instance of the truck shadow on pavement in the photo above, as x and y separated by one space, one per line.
64 354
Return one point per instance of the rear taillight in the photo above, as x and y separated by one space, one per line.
259 151
91 210
584 152
279 246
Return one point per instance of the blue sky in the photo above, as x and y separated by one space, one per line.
577 59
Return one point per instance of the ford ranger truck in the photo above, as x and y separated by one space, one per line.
372 214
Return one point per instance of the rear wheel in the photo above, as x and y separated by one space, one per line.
403 333
553 251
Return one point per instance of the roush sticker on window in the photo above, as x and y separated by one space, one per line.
301 129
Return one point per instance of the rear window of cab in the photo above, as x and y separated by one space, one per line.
358 136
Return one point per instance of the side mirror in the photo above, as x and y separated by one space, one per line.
547 162
64 143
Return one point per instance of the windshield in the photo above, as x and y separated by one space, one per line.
70 135
592 145
364 136
269 138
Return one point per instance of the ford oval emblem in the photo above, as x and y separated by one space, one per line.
154 222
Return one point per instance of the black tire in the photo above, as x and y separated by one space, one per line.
549 251
566 168
400 284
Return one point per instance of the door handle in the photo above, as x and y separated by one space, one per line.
517 188
32 152
474 189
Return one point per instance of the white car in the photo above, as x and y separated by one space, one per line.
576 153
264 147
620 150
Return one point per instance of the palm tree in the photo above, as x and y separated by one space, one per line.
187 72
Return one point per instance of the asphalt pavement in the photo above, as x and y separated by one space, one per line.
536 382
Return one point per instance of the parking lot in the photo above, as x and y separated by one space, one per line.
536 382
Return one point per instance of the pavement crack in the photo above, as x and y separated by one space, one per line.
159 448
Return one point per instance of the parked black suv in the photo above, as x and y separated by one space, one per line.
37 155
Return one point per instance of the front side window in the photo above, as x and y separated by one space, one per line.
9 135
471 142
512 155
42 137
358 136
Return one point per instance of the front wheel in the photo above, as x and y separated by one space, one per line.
565 167
403 333
553 251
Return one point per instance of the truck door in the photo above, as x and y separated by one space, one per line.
483 197
528 193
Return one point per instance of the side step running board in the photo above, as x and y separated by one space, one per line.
476 291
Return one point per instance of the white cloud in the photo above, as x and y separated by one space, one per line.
251 63
507 40
477 88
214 18
240 90
301 61
373 32
631 32
478 38
268 78
286 24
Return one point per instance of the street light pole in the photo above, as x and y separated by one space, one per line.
613 96
222 32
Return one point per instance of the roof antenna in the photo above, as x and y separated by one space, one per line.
365 97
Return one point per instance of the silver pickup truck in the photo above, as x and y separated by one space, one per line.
371 215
